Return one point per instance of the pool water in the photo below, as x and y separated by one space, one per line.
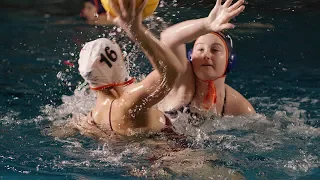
277 70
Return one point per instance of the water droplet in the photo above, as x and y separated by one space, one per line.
40 59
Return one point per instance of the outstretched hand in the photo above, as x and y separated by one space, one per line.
127 15
219 17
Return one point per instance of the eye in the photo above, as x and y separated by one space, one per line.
214 49
201 49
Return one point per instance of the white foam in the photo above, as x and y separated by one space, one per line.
303 163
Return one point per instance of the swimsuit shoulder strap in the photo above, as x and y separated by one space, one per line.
91 120
225 100
110 114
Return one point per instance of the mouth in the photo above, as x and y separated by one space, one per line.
207 65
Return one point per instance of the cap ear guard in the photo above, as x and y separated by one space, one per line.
231 62
232 57
189 55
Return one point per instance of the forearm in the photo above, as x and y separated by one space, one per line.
160 56
184 32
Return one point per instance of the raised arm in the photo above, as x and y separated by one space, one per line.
167 66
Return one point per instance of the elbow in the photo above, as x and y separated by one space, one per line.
172 76
167 39
178 67
177 73
185 67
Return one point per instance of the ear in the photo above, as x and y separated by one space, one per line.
231 61
189 55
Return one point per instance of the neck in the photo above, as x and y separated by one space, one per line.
202 89
108 94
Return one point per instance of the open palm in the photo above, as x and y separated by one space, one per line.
219 17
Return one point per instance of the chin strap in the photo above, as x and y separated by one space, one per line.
211 98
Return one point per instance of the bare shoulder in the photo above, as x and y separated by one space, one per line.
63 129
76 125
84 127
237 104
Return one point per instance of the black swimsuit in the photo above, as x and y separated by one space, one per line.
194 118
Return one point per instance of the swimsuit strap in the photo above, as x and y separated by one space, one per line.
224 103
110 114
92 122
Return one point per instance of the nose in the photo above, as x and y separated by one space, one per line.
207 55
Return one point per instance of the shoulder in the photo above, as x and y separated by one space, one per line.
237 104
65 129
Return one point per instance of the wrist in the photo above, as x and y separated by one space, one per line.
136 27
132 27
206 25
129 26
134 32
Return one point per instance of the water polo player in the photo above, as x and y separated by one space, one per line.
122 106
94 12
202 86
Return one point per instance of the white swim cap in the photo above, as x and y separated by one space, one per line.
101 64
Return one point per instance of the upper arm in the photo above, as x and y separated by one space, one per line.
178 49
246 108
237 104
184 88
182 92
176 36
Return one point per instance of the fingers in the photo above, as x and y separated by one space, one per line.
142 6
122 8
133 7
218 2
115 7
227 26
128 7
236 5
236 12
227 3
110 17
